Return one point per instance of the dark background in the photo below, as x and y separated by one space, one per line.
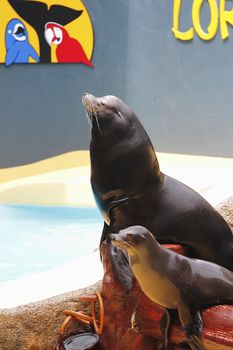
182 91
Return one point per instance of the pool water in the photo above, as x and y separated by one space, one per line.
35 239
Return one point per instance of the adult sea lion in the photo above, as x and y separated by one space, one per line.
130 189
174 281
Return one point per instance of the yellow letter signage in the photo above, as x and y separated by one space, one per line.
218 15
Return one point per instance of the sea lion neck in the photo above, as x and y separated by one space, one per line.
116 167
117 156
149 263
151 251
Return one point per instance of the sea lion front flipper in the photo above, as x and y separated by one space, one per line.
121 266
192 326
165 324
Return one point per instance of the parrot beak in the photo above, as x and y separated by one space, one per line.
54 38
53 33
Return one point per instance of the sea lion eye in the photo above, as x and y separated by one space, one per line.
102 103
119 113
129 235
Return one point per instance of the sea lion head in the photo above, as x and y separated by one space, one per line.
110 117
135 240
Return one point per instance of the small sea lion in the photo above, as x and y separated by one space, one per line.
174 281
130 189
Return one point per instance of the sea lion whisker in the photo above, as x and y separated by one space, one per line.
89 117
90 112
88 106
92 108
97 122
129 245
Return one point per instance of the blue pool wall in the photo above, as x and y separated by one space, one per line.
47 237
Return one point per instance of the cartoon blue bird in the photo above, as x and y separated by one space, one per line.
18 49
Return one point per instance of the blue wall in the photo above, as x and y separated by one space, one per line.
182 91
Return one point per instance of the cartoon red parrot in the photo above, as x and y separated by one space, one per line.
68 49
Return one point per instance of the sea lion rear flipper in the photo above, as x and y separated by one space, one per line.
121 266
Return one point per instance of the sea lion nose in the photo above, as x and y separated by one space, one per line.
88 98
84 95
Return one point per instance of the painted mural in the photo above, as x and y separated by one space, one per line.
179 84
47 31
